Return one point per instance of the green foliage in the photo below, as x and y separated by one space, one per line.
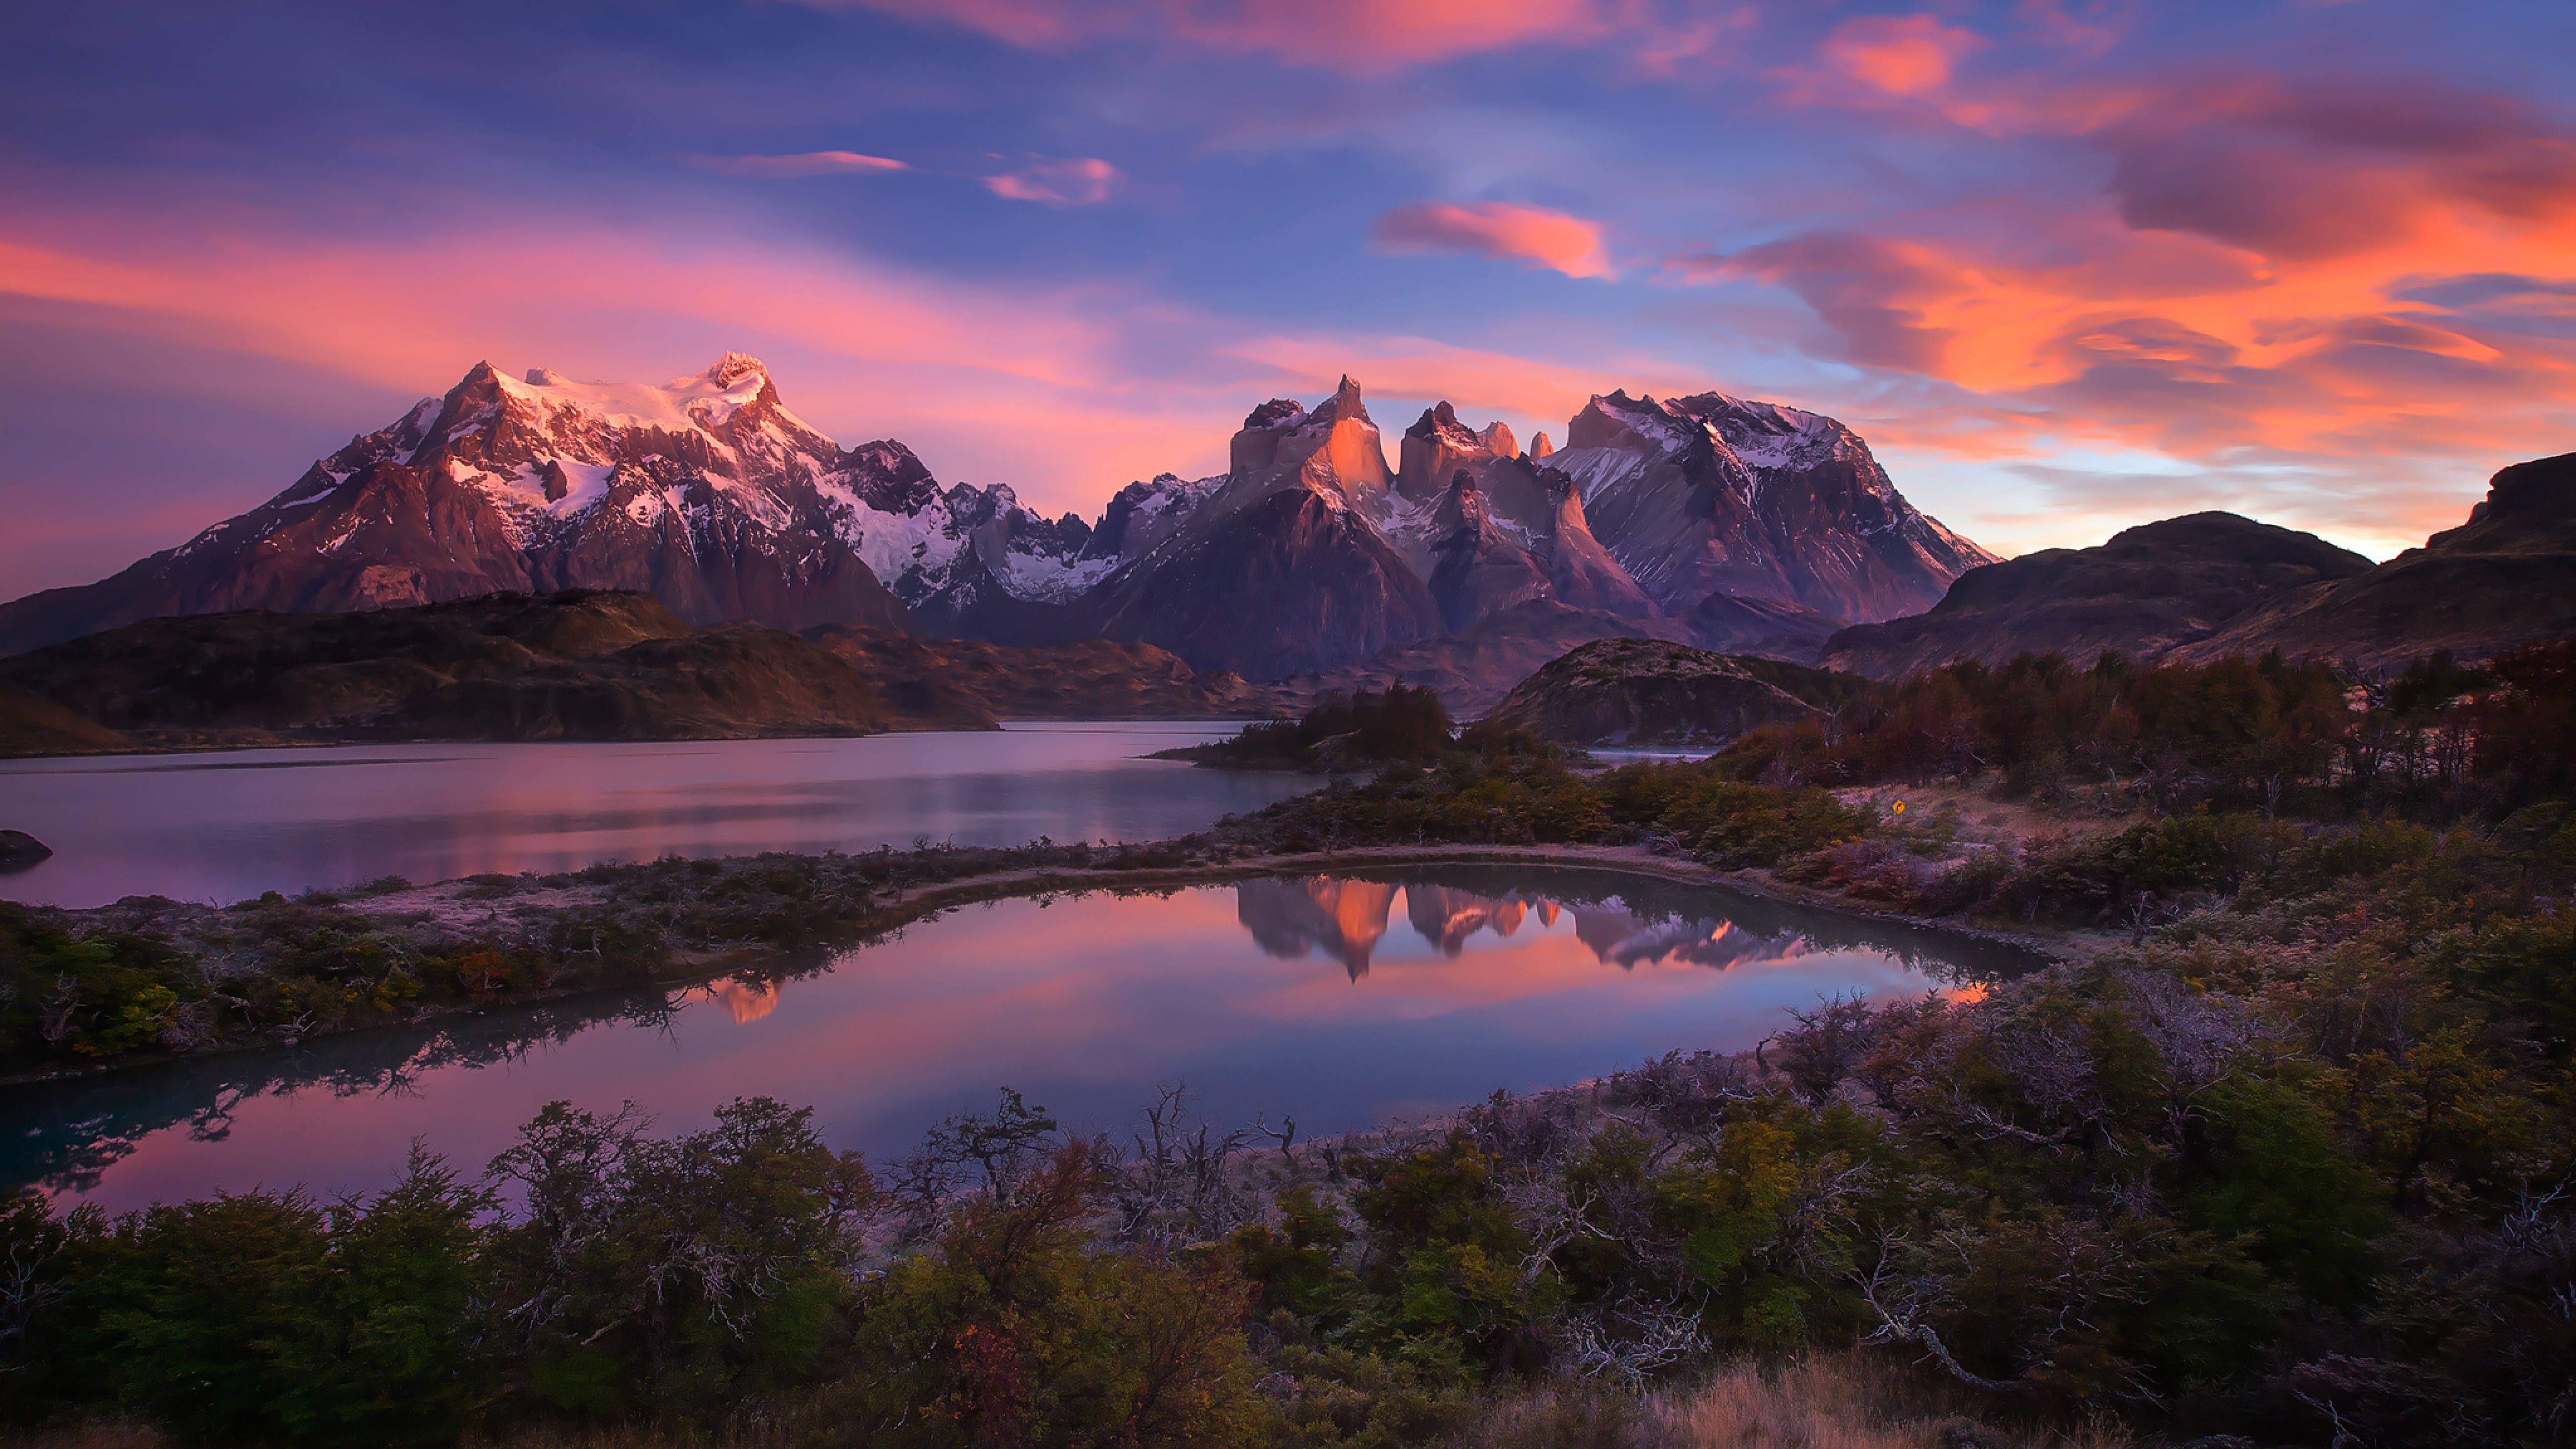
2274 1171
263 1315
1013 1329
1403 725
1445 1257
84 996
1295 1267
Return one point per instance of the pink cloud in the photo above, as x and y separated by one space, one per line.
1360 36
1903 55
803 163
1530 234
1076 181
1066 393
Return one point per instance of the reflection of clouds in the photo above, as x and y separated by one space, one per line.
1345 919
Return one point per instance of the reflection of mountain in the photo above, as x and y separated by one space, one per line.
1446 918
1627 940
1625 921
1289 917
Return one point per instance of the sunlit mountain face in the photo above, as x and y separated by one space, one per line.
2068 266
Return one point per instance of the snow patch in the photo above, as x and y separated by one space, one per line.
686 404
1052 580
586 487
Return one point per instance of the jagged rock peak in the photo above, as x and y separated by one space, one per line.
732 368
1442 420
1498 440
1344 404
1274 412
1540 445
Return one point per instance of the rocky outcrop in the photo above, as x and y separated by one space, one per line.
1287 584
21 851
1583 572
2506 577
1639 691
2148 591
582 665
1477 570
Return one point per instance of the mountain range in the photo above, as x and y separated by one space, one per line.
1707 519
2207 585
1311 565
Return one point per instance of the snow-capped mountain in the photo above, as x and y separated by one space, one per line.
1732 519
1713 496
1703 516
706 491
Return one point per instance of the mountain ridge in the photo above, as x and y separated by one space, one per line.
1310 554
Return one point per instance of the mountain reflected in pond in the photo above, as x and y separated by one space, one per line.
1343 1000
1343 918
1625 921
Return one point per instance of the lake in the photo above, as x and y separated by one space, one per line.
227 825
1343 1001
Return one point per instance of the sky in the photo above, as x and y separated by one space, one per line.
2067 266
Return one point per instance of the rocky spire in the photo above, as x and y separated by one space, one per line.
1540 447
1343 406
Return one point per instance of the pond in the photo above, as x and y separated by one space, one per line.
1341 1001
227 825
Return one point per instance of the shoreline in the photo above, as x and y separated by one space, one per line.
141 747
910 907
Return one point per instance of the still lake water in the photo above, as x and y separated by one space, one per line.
1342 1001
228 825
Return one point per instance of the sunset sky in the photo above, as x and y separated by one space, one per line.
2068 267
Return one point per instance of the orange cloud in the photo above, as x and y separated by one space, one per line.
2298 279
1532 234
1080 181
804 163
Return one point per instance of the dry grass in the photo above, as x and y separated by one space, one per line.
1843 1401
1819 1401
